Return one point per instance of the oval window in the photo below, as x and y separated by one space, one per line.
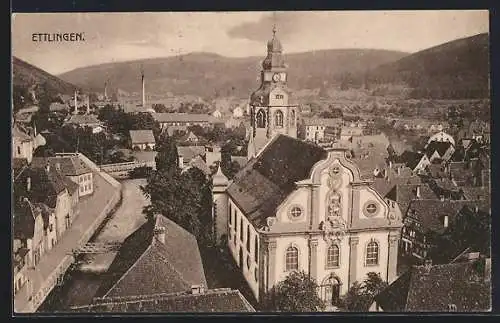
370 209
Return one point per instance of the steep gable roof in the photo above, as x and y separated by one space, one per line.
440 146
67 165
410 158
268 179
144 265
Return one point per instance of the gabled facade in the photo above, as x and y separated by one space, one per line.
285 213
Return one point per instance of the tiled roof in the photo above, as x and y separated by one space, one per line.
325 122
144 265
384 185
18 164
431 213
436 171
45 185
142 137
68 165
351 131
24 215
190 152
268 179
70 185
56 106
436 288
476 192
221 300
199 163
183 117
144 156
370 158
403 194
172 129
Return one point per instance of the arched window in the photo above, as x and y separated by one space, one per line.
18 150
372 253
292 259
278 119
292 118
248 238
261 119
230 215
333 256
241 229
256 250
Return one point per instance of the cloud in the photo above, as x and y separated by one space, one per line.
287 24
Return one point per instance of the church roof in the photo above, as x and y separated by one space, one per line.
265 182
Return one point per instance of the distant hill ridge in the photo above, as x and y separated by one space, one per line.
208 74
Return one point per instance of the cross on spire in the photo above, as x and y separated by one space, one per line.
274 24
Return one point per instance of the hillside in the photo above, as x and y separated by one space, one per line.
27 78
455 70
207 75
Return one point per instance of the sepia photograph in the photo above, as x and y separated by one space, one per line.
246 162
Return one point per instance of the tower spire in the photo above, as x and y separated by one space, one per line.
274 25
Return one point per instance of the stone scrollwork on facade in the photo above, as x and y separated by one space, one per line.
334 227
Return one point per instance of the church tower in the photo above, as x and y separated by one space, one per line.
271 107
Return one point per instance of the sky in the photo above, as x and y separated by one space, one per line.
115 37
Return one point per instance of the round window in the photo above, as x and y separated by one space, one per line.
295 212
370 209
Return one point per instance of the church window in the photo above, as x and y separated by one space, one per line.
256 250
230 215
279 96
241 229
372 254
295 212
256 273
235 223
248 262
248 238
261 119
333 256
292 118
18 150
292 259
278 119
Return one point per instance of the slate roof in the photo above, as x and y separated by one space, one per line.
145 266
183 117
142 137
430 213
219 300
190 152
269 178
384 185
439 146
369 158
435 288
69 165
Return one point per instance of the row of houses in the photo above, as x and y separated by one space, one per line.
46 195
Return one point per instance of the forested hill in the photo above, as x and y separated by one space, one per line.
207 74
27 78
457 69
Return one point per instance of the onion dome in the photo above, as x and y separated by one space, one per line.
274 53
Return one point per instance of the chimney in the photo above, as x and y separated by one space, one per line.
143 91
159 233
445 222
197 289
418 192
28 184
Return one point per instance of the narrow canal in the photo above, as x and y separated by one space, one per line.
83 279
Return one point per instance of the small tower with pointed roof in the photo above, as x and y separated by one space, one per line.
220 203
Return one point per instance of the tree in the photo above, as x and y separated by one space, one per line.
361 295
167 159
297 293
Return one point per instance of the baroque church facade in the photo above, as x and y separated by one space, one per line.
298 207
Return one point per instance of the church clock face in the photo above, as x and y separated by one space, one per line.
276 77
